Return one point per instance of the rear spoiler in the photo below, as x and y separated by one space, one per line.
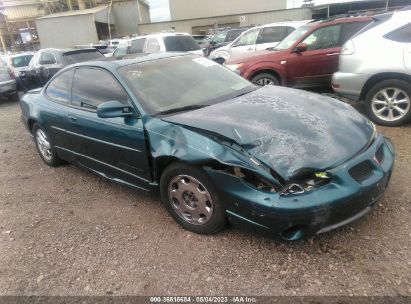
79 51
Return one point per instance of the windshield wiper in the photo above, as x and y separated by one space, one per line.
181 109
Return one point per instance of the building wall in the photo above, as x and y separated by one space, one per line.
126 17
144 13
66 32
22 11
204 23
192 9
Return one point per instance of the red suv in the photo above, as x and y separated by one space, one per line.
307 57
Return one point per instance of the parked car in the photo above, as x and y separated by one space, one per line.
291 162
307 57
224 37
8 85
255 39
46 62
202 40
159 43
18 64
375 67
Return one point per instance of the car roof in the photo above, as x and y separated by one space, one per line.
283 23
114 63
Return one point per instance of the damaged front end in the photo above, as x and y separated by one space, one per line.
308 202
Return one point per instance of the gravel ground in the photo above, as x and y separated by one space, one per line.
65 231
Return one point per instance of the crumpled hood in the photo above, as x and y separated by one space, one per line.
289 130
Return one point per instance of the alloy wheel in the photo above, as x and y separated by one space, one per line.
390 104
190 199
263 81
44 145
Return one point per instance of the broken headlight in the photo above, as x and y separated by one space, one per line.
253 179
306 184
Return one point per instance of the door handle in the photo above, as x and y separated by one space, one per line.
72 117
250 49
333 54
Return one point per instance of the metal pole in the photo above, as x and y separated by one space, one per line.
108 19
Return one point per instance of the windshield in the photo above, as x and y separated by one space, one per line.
180 44
289 41
21 61
219 37
182 82
82 56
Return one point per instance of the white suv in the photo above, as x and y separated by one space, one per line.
157 43
257 38
375 67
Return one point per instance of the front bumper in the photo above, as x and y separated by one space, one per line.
349 84
328 207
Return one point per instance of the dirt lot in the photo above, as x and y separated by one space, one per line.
65 231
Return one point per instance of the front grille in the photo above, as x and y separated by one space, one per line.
361 171
380 154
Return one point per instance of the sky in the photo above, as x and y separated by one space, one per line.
159 10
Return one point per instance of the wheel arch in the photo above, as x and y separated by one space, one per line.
268 71
373 80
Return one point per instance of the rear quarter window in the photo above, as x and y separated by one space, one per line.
180 44
403 34
59 88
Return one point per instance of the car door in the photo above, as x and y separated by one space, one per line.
402 35
319 61
114 147
245 43
58 93
270 36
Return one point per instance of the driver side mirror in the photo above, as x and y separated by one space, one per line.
111 109
301 47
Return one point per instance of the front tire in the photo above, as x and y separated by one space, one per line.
45 147
264 79
191 199
388 102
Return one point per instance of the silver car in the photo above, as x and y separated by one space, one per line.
8 86
375 67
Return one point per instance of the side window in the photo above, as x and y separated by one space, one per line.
271 34
249 38
59 87
152 46
137 46
47 58
324 38
120 51
403 34
231 35
350 29
289 30
91 87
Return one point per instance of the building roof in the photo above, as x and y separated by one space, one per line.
87 11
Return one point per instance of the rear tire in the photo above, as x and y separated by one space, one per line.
388 102
45 147
191 199
264 79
